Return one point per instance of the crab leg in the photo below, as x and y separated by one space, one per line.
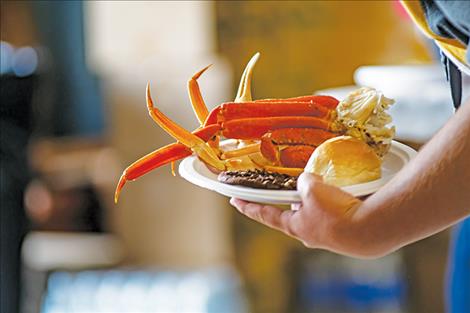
182 135
254 128
244 89
261 162
252 148
328 102
197 102
169 153
295 156
164 155
292 171
231 110
298 136
243 94
292 147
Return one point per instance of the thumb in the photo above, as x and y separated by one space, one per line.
313 191
307 183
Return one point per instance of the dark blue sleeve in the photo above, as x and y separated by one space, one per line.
449 19
458 272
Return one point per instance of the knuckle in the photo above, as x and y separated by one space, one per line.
262 214
291 230
254 211
308 191
307 179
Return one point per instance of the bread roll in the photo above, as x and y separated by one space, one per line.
344 161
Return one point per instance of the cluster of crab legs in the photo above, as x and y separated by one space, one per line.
277 135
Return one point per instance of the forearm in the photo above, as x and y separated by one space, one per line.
429 195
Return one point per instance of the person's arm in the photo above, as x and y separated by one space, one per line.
430 194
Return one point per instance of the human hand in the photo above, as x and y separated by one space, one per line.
322 220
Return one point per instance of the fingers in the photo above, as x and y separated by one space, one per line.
268 215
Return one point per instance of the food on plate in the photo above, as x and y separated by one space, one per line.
364 115
258 179
344 161
288 146
273 135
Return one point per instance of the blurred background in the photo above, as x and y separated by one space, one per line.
73 116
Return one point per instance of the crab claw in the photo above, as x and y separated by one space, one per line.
244 89
188 139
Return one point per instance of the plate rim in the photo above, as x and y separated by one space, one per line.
403 151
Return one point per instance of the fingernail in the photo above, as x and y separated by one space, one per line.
295 206
235 204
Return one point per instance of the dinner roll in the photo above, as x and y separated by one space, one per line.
344 161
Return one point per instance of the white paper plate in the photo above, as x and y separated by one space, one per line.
194 171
